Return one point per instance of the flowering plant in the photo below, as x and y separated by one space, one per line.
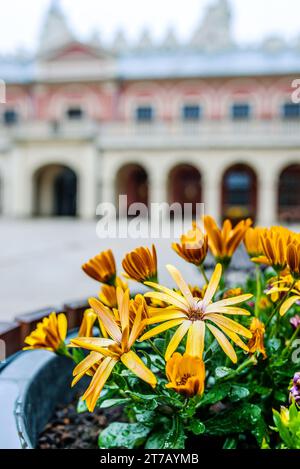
193 364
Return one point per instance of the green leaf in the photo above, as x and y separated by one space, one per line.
261 390
143 401
196 427
113 403
214 395
156 440
107 394
246 417
237 393
284 432
273 345
280 396
78 355
288 425
174 438
81 406
230 443
138 397
146 416
148 359
146 405
160 345
120 381
123 435
222 371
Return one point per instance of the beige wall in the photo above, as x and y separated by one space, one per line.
96 170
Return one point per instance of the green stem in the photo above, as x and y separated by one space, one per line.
249 361
202 270
156 349
185 404
280 304
64 352
290 342
222 283
258 290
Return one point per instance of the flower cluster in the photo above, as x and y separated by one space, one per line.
189 354
295 389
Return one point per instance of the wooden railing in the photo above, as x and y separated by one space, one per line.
14 333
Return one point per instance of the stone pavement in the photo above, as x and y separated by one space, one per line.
40 262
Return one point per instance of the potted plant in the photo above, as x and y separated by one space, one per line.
200 364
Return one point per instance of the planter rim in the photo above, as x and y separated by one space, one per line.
15 380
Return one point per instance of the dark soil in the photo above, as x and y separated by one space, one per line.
69 430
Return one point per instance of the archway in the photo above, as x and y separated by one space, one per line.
239 193
56 191
185 186
289 194
132 181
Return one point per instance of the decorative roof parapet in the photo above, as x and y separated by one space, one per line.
214 32
120 44
170 41
56 32
145 41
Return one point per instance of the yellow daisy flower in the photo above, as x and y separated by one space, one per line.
141 264
50 334
193 315
256 343
252 241
117 347
186 374
224 241
87 324
193 246
274 242
102 267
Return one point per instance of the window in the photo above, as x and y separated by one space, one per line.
10 117
239 193
291 111
144 114
240 111
289 194
75 113
238 185
191 112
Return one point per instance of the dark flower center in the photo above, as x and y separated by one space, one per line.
183 380
196 312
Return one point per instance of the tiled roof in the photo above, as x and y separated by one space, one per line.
16 70
180 64
193 64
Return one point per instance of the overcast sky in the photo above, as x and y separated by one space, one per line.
21 20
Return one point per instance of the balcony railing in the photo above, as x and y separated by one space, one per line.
203 133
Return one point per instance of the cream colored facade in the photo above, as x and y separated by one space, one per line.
106 138
97 160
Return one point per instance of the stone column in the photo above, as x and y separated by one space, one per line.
87 188
267 199
211 192
22 185
158 191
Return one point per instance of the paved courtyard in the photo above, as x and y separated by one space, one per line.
40 262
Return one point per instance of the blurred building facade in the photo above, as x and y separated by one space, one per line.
205 121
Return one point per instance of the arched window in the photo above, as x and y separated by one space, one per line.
132 181
55 191
289 194
239 193
185 185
